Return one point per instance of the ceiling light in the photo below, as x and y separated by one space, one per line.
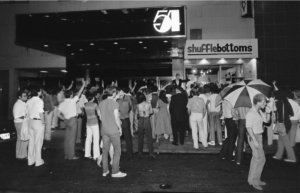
68 44
145 47
140 42
116 43
91 44
46 15
72 53
43 71
87 64
64 71
122 48
104 12
45 45
165 41
125 11
80 49
63 19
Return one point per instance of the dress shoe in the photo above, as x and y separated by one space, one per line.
176 144
119 175
290 160
257 187
152 156
105 174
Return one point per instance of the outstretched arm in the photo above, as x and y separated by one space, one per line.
274 84
71 85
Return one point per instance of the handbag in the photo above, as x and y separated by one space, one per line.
24 130
280 127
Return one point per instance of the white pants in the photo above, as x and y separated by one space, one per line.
36 137
92 134
55 118
48 120
196 121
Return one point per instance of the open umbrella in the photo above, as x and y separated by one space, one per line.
241 94
220 96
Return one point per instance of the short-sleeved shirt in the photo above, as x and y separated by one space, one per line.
107 108
48 102
35 106
212 99
90 110
68 107
227 108
196 104
254 121
296 110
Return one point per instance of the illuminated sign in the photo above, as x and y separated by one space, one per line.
231 48
166 20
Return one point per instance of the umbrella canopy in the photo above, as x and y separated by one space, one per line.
241 94
220 96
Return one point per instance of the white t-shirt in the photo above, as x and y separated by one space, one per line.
35 106
212 99
19 110
69 107
296 110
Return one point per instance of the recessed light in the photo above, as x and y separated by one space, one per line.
91 44
64 71
116 43
43 71
63 19
72 54
80 49
165 41
46 15
145 47
140 42
87 64
97 64
83 64
101 49
45 45
68 44
122 48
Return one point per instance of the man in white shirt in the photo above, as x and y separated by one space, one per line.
35 108
295 120
19 113
68 113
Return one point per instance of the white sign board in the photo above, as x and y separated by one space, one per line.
221 48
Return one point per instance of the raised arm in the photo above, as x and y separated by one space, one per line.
71 85
82 87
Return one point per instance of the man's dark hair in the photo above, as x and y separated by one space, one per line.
163 96
195 92
21 92
110 90
206 89
152 89
35 90
68 94
126 90
99 90
89 96
140 97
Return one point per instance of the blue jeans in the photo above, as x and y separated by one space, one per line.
116 142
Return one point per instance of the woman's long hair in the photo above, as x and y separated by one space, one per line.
162 96
140 97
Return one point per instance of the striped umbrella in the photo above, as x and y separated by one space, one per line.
220 96
241 94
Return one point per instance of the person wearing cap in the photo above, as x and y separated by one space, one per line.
19 113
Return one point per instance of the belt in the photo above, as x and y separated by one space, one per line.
21 117
36 119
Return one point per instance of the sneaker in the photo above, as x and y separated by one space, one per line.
211 143
290 160
119 175
105 174
274 157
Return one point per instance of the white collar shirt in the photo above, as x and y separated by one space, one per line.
227 107
80 103
19 110
296 110
254 120
212 99
35 106
69 107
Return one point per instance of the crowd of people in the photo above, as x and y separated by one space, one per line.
169 112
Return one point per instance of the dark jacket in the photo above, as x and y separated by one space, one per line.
180 82
178 108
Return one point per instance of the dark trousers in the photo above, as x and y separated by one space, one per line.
70 137
178 126
229 143
127 136
144 125
241 139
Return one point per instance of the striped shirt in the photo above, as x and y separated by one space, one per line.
196 105
90 110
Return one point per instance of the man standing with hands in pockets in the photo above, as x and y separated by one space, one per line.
254 124
111 131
